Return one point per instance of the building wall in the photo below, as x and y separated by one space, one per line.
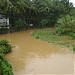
4 21
7 21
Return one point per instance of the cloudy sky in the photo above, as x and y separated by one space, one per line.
73 1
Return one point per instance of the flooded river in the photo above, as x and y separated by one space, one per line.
31 56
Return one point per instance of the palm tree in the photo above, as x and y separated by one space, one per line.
5 5
16 6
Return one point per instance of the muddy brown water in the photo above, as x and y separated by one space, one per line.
31 56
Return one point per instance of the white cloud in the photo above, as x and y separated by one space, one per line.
73 1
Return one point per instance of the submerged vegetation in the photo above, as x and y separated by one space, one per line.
51 37
5 66
46 35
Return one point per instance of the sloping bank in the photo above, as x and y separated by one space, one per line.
5 66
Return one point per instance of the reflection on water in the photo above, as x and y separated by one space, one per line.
32 56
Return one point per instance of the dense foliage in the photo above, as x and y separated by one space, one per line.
3 30
74 48
5 47
65 25
72 35
43 23
43 13
5 67
19 24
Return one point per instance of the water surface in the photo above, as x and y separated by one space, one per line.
31 56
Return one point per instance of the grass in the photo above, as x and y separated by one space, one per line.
46 35
50 36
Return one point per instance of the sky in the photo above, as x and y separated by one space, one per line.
73 1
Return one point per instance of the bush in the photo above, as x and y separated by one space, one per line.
5 67
72 35
3 42
65 25
19 25
74 48
5 47
3 30
43 23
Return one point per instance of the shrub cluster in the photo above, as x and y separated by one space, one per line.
19 25
3 30
5 67
74 48
72 35
44 23
5 47
65 25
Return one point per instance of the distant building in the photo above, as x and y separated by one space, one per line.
4 21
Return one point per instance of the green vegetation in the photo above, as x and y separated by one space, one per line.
43 23
5 47
3 30
74 48
65 26
59 14
19 25
5 67
72 35
46 35
51 36
40 13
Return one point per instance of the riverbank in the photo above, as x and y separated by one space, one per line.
5 66
50 36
